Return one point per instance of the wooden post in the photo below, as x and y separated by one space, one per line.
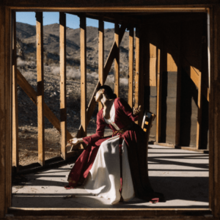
159 90
199 117
153 67
214 116
101 54
83 72
5 110
40 86
131 67
63 84
137 67
28 89
2 115
15 161
178 89
117 65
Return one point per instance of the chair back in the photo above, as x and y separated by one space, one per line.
147 124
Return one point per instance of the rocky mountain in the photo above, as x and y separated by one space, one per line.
26 35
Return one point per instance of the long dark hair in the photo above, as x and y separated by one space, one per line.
108 91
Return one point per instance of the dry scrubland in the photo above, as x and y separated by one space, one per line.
26 63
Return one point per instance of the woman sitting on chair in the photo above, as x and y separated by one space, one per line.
114 167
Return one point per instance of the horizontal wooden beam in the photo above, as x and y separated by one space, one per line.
78 6
28 89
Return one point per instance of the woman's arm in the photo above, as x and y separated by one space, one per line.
100 127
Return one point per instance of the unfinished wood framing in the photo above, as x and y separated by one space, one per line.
153 67
159 91
27 88
15 157
63 84
199 117
6 113
40 86
131 67
178 91
117 65
107 67
137 68
101 55
83 73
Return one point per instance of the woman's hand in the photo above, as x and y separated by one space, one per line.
137 110
74 141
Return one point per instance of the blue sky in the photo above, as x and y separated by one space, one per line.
72 21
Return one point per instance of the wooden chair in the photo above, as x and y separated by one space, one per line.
147 124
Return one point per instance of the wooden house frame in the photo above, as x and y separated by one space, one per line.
8 80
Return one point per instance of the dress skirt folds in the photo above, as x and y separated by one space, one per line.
114 167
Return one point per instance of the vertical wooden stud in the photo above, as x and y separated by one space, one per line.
153 72
2 115
199 104
15 162
40 86
101 55
178 89
83 72
63 83
159 90
117 65
131 67
137 67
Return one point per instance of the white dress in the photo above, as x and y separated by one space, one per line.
104 177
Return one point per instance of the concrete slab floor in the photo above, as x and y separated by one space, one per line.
181 175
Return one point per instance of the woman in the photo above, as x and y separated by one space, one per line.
114 167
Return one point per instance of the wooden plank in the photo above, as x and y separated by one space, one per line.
107 67
8 107
199 116
76 6
213 69
3 120
131 67
159 90
63 84
178 90
40 86
83 73
101 54
23 83
15 161
137 68
153 68
117 65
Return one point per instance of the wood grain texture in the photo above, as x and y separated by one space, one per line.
178 89
8 106
83 74
116 61
63 84
214 113
3 119
159 90
131 67
153 67
101 55
199 113
137 68
15 161
212 45
40 86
